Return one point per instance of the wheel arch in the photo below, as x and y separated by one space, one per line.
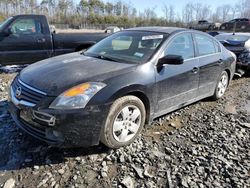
137 91
229 74
143 97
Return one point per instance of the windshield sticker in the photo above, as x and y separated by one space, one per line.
150 37
138 54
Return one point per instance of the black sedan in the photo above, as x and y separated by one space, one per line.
238 24
109 92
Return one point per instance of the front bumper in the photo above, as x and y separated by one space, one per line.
71 128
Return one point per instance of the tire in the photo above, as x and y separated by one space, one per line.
221 86
117 132
222 28
243 27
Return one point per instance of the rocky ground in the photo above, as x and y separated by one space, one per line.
206 144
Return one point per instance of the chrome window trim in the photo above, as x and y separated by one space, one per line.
203 56
31 88
160 52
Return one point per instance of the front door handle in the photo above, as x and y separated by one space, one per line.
195 70
42 40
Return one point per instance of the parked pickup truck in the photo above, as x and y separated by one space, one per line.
25 39
204 25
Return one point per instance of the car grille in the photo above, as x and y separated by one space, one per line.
27 93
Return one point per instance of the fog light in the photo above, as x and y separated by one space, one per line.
44 117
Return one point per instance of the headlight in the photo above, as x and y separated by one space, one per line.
78 96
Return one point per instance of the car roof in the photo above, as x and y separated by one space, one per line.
167 30
241 19
28 15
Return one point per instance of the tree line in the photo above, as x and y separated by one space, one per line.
121 13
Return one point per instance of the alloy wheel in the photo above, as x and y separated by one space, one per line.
127 123
222 85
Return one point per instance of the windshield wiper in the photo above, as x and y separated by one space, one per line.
101 57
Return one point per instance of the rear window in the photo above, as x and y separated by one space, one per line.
237 38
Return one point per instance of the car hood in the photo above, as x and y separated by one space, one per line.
55 75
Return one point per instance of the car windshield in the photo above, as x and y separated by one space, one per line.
2 25
128 46
238 38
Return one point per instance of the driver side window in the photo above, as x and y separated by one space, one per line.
181 45
26 26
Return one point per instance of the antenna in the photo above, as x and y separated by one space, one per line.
234 28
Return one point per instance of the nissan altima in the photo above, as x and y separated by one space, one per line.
109 92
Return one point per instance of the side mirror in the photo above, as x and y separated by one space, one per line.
170 60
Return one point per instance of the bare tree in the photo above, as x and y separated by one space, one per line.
244 8
171 13
197 8
165 10
205 12
188 13
225 11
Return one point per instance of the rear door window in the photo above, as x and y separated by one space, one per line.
205 45
217 47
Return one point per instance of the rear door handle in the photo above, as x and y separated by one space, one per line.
195 70
42 40
220 61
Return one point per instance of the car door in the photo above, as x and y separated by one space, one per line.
178 84
210 63
26 42
203 25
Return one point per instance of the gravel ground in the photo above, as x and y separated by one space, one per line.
206 144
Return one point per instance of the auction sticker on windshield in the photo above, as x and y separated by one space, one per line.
150 37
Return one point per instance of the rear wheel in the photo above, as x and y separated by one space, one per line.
222 28
243 27
124 123
221 86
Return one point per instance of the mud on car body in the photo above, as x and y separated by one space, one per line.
109 92
238 43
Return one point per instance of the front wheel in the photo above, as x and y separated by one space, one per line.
221 86
124 123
